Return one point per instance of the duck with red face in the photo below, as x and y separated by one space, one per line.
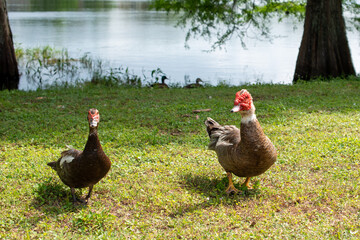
245 152
80 169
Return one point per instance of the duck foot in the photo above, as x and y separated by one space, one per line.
78 201
231 188
246 184
82 201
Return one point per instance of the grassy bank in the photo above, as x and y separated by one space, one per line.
164 183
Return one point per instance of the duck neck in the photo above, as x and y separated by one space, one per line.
250 129
93 143
248 118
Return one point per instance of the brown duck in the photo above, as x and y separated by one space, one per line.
160 85
245 152
196 84
80 169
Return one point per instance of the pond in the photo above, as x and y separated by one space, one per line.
127 33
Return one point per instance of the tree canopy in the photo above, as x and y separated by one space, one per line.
219 21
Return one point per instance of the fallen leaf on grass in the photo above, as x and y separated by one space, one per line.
201 110
189 115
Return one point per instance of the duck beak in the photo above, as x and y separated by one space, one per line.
93 123
236 108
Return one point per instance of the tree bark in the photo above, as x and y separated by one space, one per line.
324 50
9 73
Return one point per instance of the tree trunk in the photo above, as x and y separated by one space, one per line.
324 50
9 73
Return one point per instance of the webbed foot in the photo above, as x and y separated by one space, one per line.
246 184
231 188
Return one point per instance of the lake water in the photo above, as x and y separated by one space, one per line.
126 33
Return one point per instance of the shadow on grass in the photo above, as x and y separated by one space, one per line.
214 191
215 187
54 198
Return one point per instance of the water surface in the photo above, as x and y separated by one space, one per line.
126 33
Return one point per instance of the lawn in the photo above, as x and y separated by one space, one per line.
164 183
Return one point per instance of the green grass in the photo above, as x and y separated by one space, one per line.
164 183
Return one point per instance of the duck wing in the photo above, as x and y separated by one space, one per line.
63 167
222 137
66 157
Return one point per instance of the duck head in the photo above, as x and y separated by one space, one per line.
163 78
243 102
94 118
198 80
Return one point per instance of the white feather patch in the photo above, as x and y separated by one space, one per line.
67 159
248 118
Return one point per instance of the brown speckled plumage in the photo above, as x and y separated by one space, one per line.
83 168
245 152
197 84
160 85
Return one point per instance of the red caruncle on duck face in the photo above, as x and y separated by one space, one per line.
93 117
243 101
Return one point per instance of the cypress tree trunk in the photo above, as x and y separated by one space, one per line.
9 73
324 50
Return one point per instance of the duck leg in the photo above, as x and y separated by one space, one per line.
246 183
89 194
231 188
75 199
73 195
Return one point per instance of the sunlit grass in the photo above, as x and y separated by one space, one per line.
164 183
